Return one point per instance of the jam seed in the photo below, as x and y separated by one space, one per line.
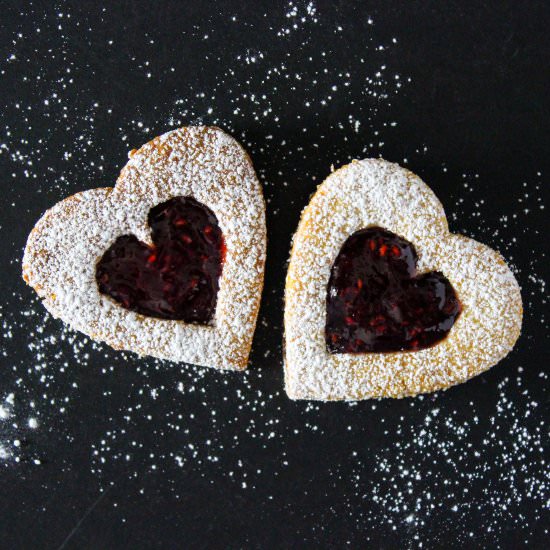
378 320
449 308
383 249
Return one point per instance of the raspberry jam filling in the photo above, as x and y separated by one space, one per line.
377 303
176 278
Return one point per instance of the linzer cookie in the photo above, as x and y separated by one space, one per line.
382 301
167 263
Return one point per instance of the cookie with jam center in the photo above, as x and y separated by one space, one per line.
170 261
381 300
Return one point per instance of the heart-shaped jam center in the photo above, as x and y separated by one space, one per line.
377 303
176 278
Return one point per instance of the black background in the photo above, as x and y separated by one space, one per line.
135 453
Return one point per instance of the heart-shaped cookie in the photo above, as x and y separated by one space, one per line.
439 309
170 261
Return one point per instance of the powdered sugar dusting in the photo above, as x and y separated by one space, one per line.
64 247
378 193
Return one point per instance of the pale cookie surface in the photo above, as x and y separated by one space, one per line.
66 243
374 192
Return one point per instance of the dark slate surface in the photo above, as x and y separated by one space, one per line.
100 449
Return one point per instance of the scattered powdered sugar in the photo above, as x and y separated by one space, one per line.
437 468
472 461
